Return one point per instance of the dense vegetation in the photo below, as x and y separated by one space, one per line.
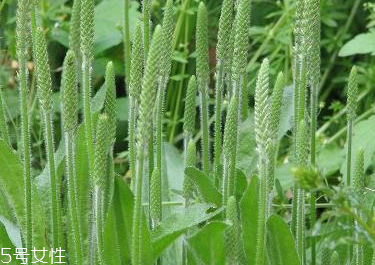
187 132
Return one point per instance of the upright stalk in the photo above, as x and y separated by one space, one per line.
127 45
45 98
69 99
4 134
87 40
21 42
262 137
147 104
222 53
359 188
314 81
302 161
135 87
240 47
100 174
203 76
230 150
351 107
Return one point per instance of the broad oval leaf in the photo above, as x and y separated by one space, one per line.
281 248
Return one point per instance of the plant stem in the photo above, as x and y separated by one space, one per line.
137 215
127 45
132 146
349 153
98 213
262 200
54 186
86 84
218 123
205 130
146 26
3 124
72 197
21 24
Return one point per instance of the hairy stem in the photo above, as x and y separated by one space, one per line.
72 197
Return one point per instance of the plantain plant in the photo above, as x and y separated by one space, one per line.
45 99
203 76
238 216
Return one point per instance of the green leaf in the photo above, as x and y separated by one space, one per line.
12 185
208 244
361 44
204 185
177 224
108 23
280 243
118 226
286 111
246 155
5 242
249 219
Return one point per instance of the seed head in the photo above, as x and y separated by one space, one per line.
351 104
302 147
75 28
225 27
168 30
190 107
102 146
149 88
155 195
276 103
261 112
230 132
43 71
87 28
136 70
69 93
359 182
241 39
110 107
188 186
203 71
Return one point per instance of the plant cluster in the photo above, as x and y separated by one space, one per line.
224 216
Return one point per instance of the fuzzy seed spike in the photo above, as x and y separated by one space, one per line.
21 45
136 71
230 149
148 94
102 145
261 107
87 28
43 72
188 186
302 146
276 103
155 197
230 132
110 107
359 183
75 28
351 104
232 232
241 27
190 107
225 27
203 71
69 93
168 30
